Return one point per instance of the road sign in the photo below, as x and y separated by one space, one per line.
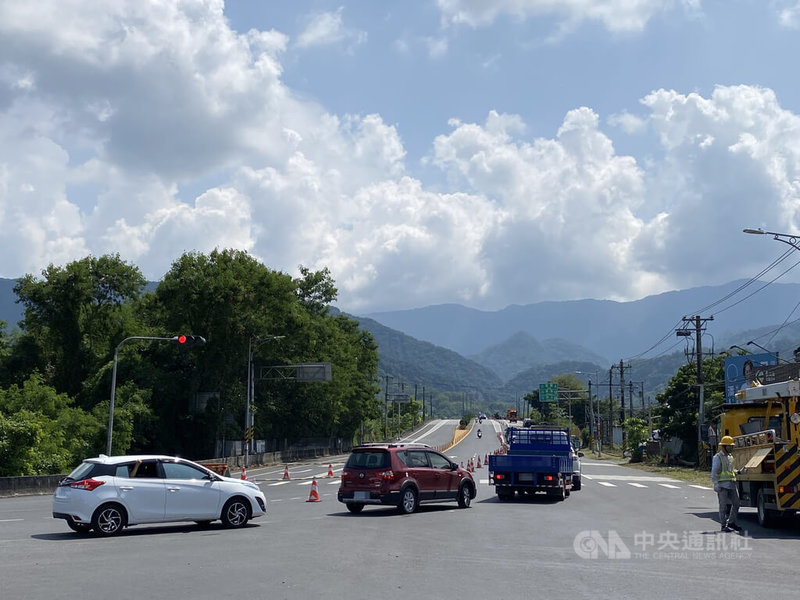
314 371
548 392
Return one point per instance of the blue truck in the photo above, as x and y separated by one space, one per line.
538 459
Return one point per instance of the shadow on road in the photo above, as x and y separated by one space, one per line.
785 528
138 530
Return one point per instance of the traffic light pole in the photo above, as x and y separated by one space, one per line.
180 339
251 380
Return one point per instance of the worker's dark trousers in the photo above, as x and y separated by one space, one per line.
728 496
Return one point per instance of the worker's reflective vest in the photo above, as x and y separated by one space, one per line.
725 470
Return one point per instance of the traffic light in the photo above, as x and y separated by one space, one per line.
189 340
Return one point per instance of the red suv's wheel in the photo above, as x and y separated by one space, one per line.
464 496
408 500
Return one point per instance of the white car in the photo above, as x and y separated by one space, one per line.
107 493
576 468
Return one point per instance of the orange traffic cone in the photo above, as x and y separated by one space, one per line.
244 473
479 463
313 495
486 458
286 473
330 471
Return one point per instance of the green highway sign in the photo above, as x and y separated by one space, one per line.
548 392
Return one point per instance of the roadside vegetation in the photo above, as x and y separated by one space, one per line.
56 366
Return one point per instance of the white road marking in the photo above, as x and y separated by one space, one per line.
669 485
653 478
605 483
280 482
700 487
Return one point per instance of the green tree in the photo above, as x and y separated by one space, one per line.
17 438
677 408
239 304
636 433
315 290
44 432
74 314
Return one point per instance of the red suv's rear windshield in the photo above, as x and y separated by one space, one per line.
368 459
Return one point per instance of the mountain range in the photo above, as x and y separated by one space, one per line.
508 352
602 329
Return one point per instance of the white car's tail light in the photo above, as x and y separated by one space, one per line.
86 484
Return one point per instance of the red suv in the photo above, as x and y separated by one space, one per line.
403 475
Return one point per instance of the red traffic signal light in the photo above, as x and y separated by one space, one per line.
189 340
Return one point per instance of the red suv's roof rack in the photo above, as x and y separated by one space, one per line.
393 445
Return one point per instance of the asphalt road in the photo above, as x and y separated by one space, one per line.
626 533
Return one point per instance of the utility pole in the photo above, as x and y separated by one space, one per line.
610 407
621 393
630 400
386 410
697 323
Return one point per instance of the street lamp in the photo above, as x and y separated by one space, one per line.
179 339
248 417
786 238
777 357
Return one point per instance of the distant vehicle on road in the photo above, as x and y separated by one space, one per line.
107 493
511 415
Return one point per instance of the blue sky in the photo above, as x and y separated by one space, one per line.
426 152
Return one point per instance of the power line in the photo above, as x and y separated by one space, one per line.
782 257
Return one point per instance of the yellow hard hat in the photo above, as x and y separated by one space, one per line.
726 441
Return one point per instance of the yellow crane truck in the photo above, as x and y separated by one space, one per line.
765 426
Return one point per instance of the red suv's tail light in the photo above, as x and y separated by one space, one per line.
86 484
387 475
